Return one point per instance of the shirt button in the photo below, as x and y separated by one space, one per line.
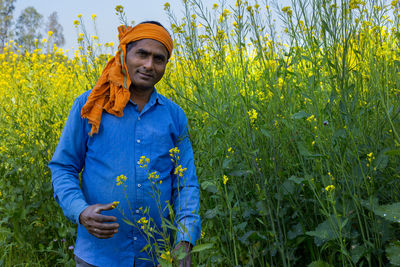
138 141
135 238
139 185
138 162
137 211
138 118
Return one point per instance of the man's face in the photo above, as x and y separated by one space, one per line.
146 62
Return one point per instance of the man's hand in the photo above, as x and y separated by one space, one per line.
97 224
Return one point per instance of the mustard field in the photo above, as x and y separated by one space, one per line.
295 132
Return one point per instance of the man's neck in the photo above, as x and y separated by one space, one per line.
140 96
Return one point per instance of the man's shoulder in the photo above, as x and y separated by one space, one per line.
170 104
84 96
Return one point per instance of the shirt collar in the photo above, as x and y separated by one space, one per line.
157 97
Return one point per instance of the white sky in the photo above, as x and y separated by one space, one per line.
107 21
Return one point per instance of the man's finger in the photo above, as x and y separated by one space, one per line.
99 231
105 226
108 206
101 236
104 218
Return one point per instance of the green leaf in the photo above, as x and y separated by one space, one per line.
244 238
202 247
319 263
163 263
327 230
394 152
393 253
225 163
240 226
146 247
357 253
209 186
326 27
296 231
240 173
180 253
323 232
299 115
339 133
266 133
390 212
262 207
183 228
304 151
287 188
382 160
128 222
296 180
211 213
169 225
307 58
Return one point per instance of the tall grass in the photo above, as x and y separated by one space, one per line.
306 132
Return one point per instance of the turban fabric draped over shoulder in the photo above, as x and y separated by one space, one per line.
111 91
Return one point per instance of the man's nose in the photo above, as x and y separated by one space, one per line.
148 64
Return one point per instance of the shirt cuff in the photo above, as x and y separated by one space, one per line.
79 206
190 237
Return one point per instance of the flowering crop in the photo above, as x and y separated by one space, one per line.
296 138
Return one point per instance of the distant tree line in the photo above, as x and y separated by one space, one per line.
29 26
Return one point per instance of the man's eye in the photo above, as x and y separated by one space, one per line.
159 59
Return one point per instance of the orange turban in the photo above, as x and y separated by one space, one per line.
111 91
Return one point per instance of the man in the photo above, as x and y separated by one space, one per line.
108 131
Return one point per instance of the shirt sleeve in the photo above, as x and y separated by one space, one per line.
67 163
185 189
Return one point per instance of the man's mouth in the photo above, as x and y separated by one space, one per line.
145 75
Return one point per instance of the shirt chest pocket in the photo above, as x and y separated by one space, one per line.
161 141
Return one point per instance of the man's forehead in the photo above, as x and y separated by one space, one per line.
150 45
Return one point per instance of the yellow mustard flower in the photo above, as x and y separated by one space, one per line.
166 256
119 9
287 10
179 170
329 188
121 179
143 220
115 203
225 179
252 115
166 6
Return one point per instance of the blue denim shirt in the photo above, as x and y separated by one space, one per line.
116 150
